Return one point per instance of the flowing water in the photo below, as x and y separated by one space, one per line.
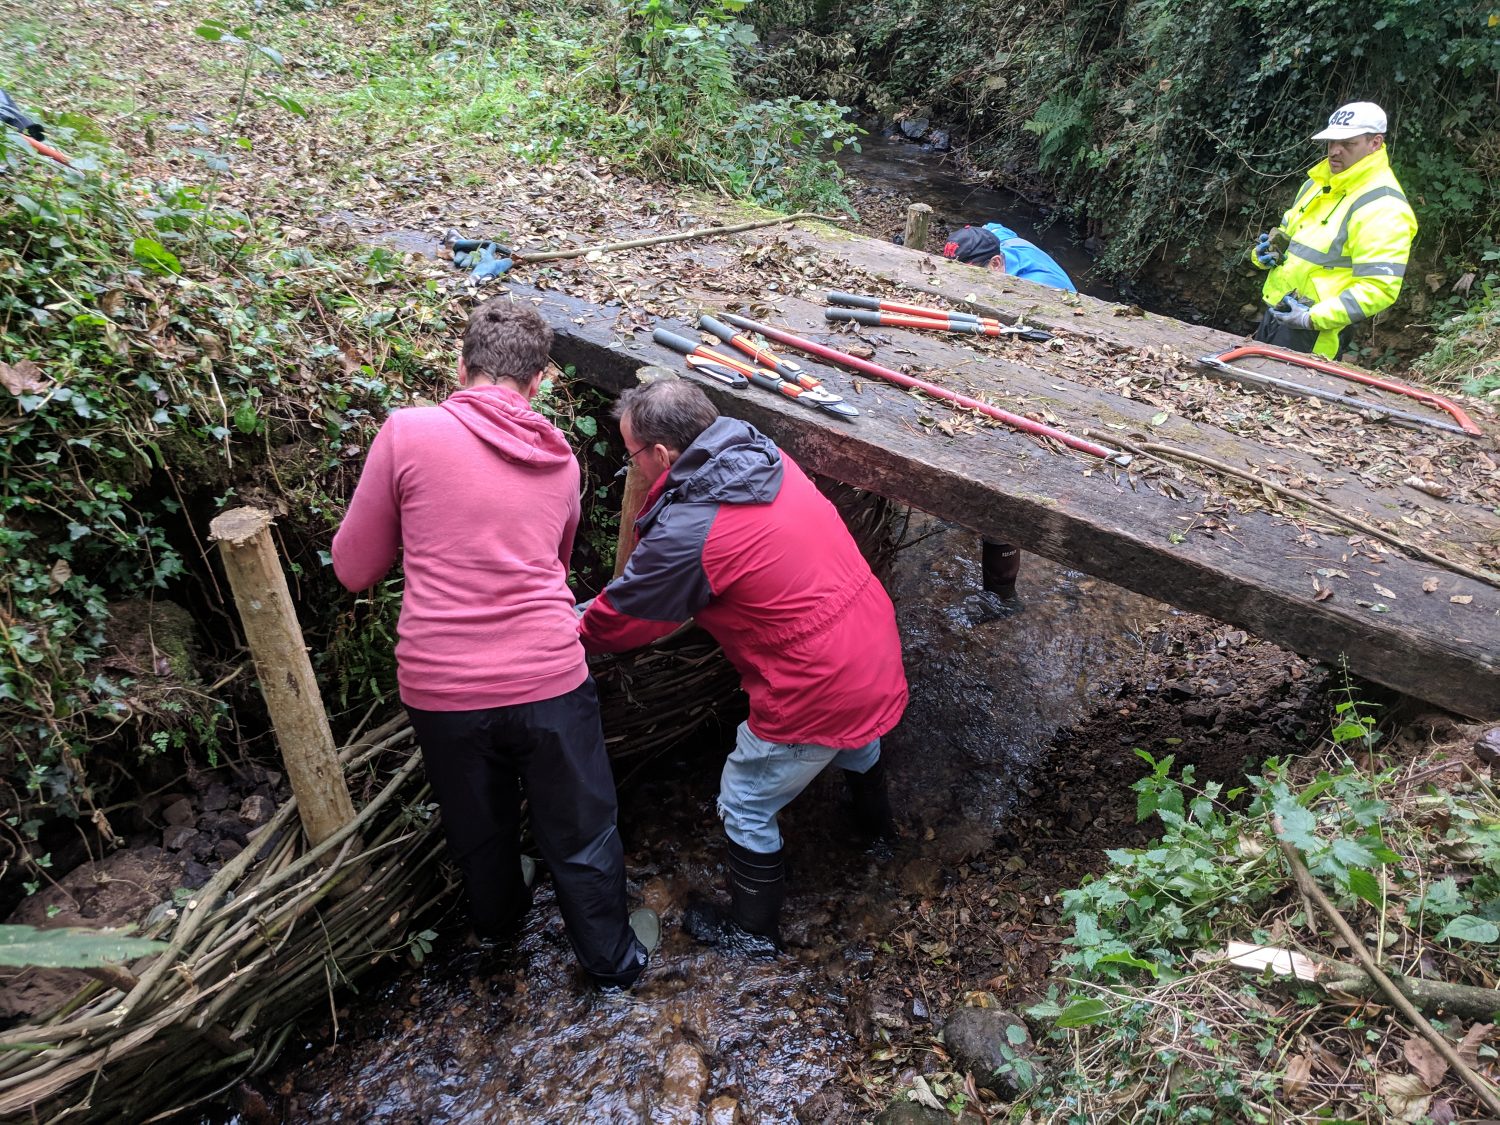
522 1038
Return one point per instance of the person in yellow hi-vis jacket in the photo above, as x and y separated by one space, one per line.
1340 253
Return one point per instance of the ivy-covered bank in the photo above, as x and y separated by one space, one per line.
1177 128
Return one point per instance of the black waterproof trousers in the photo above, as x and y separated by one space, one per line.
1278 334
480 763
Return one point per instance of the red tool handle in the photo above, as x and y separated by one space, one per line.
47 150
843 359
901 320
879 304
1338 370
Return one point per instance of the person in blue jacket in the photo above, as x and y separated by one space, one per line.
995 246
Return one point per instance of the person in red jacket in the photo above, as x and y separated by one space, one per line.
735 535
480 496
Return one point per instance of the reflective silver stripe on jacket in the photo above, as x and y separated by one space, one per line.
1334 255
1351 306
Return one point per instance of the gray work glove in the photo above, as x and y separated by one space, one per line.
1294 313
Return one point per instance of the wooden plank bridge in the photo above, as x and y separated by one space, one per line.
1168 527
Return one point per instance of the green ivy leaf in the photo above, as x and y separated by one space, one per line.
70 948
1083 1012
1365 885
1466 927
155 257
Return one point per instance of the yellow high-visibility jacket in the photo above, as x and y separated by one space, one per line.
1351 236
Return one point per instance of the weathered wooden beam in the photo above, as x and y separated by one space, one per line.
284 670
1259 574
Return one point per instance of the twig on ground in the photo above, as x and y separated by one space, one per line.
1476 1082
678 236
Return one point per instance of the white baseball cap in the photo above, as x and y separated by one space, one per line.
1353 120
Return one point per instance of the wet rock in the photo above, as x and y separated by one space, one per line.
904 1111
194 875
179 813
914 127
657 894
723 1110
215 798
256 810
940 140
221 824
225 850
178 836
683 1083
994 1046
1487 749
922 876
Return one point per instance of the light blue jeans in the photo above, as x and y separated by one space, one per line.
761 778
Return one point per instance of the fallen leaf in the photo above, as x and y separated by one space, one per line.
1462 599
1442 1112
1322 595
1298 1071
23 378
1429 585
1429 1065
1405 1095
1382 591
1158 419
1468 1047
922 1094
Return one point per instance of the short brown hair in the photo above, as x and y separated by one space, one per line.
670 412
506 340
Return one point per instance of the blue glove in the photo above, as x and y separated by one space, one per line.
1294 313
490 260
582 607
1266 255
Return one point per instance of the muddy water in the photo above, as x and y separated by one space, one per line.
904 171
521 1038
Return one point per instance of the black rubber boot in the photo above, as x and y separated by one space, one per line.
757 887
872 801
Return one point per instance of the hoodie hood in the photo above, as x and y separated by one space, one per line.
731 462
502 419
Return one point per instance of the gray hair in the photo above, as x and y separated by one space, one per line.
669 412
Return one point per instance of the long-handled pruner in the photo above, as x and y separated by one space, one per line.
953 323
943 319
717 366
1338 370
814 393
1221 369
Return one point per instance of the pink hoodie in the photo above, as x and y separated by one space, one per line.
481 494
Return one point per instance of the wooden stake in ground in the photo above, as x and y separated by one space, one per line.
918 219
286 674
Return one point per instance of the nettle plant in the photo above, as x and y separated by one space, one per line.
1217 864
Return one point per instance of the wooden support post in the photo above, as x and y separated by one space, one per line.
286 674
918 219
636 485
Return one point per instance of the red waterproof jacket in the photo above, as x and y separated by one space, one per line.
737 536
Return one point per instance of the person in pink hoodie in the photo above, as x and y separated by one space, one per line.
480 498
